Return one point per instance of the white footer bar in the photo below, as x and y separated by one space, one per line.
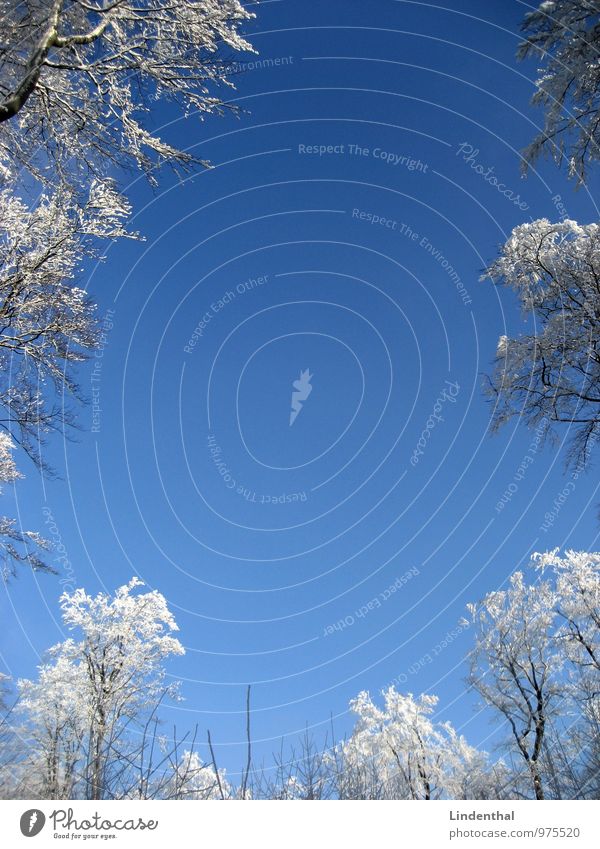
301 825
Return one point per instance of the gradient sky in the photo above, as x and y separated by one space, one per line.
272 257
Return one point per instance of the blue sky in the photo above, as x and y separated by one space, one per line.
377 110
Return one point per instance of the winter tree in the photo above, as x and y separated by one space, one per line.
399 752
577 581
11 749
552 374
88 726
191 778
515 667
78 80
16 545
56 727
47 323
94 690
576 578
565 36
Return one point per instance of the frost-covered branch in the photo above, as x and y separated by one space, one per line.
565 36
78 79
552 374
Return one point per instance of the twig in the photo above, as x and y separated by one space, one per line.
248 762
214 763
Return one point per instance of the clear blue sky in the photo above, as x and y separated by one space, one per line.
388 91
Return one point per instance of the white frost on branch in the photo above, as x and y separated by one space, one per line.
553 373
399 752
565 36
78 79
96 687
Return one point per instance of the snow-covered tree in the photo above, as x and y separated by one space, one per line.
11 753
565 36
577 581
16 545
57 720
78 79
47 323
552 374
96 689
399 752
88 726
193 779
516 665
576 577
